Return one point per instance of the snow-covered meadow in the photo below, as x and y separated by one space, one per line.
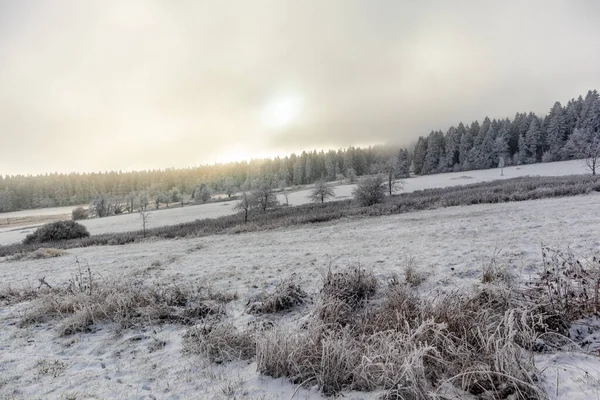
169 216
450 246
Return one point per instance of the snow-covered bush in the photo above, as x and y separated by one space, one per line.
370 190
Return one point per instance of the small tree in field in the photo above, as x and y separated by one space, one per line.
144 215
370 190
286 196
264 197
245 205
321 192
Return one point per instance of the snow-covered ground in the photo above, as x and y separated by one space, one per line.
132 222
450 245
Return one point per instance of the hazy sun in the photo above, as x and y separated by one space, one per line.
282 111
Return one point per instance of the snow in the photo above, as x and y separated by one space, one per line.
170 216
449 245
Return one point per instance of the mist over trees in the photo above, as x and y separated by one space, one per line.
566 132
115 192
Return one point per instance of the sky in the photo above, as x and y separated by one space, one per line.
127 85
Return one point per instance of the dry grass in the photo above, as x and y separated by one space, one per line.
127 303
569 284
409 346
287 295
13 295
39 254
343 293
220 342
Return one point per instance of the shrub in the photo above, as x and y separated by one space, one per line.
370 190
220 342
287 295
56 231
79 213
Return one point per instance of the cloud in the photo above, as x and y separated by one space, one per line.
146 84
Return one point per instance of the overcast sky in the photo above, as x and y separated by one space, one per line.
108 85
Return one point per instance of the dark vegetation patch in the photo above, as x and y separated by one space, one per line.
57 231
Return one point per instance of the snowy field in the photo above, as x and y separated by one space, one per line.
131 222
449 245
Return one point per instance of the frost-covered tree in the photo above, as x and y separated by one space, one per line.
556 133
390 169
264 197
331 165
501 147
452 146
530 145
246 204
466 144
419 154
321 192
202 193
99 205
403 164
589 118
230 187
585 143
298 176
435 153
370 190
175 196
6 203
143 200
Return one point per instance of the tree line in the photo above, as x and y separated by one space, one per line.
566 132
116 192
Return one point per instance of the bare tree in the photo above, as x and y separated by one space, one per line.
145 216
245 205
321 192
265 197
286 196
390 168
585 143
370 190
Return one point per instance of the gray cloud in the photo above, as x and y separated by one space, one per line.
149 84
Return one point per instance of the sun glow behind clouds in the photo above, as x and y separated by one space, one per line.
282 111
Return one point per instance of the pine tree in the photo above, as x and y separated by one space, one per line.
298 177
403 164
533 142
435 152
419 154
6 203
556 133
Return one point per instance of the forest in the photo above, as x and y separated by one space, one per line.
566 132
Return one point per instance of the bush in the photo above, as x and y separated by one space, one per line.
79 213
55 231
370 190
